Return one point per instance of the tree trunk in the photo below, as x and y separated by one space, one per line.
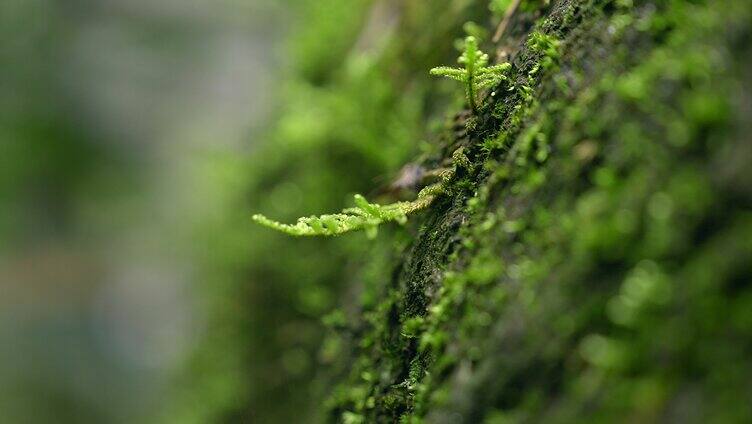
592 261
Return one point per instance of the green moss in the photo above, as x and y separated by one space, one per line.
365 216
476 74
588 260
588 215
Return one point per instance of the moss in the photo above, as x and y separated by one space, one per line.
575 254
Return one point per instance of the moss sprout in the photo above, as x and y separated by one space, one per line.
476 75
364 216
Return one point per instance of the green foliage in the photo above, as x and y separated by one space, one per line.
476 75
365 216
498 7
546 45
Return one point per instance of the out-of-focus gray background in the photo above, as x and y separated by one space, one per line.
117 121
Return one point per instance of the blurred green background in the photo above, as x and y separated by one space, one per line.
125 131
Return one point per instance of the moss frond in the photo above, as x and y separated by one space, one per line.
364 216
453 73
476 75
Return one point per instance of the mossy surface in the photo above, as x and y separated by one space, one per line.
588 261
592 261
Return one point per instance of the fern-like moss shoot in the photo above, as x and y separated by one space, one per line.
364 216
476 75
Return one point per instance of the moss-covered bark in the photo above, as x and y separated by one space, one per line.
593 259
589 260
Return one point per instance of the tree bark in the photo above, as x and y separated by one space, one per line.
593 261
